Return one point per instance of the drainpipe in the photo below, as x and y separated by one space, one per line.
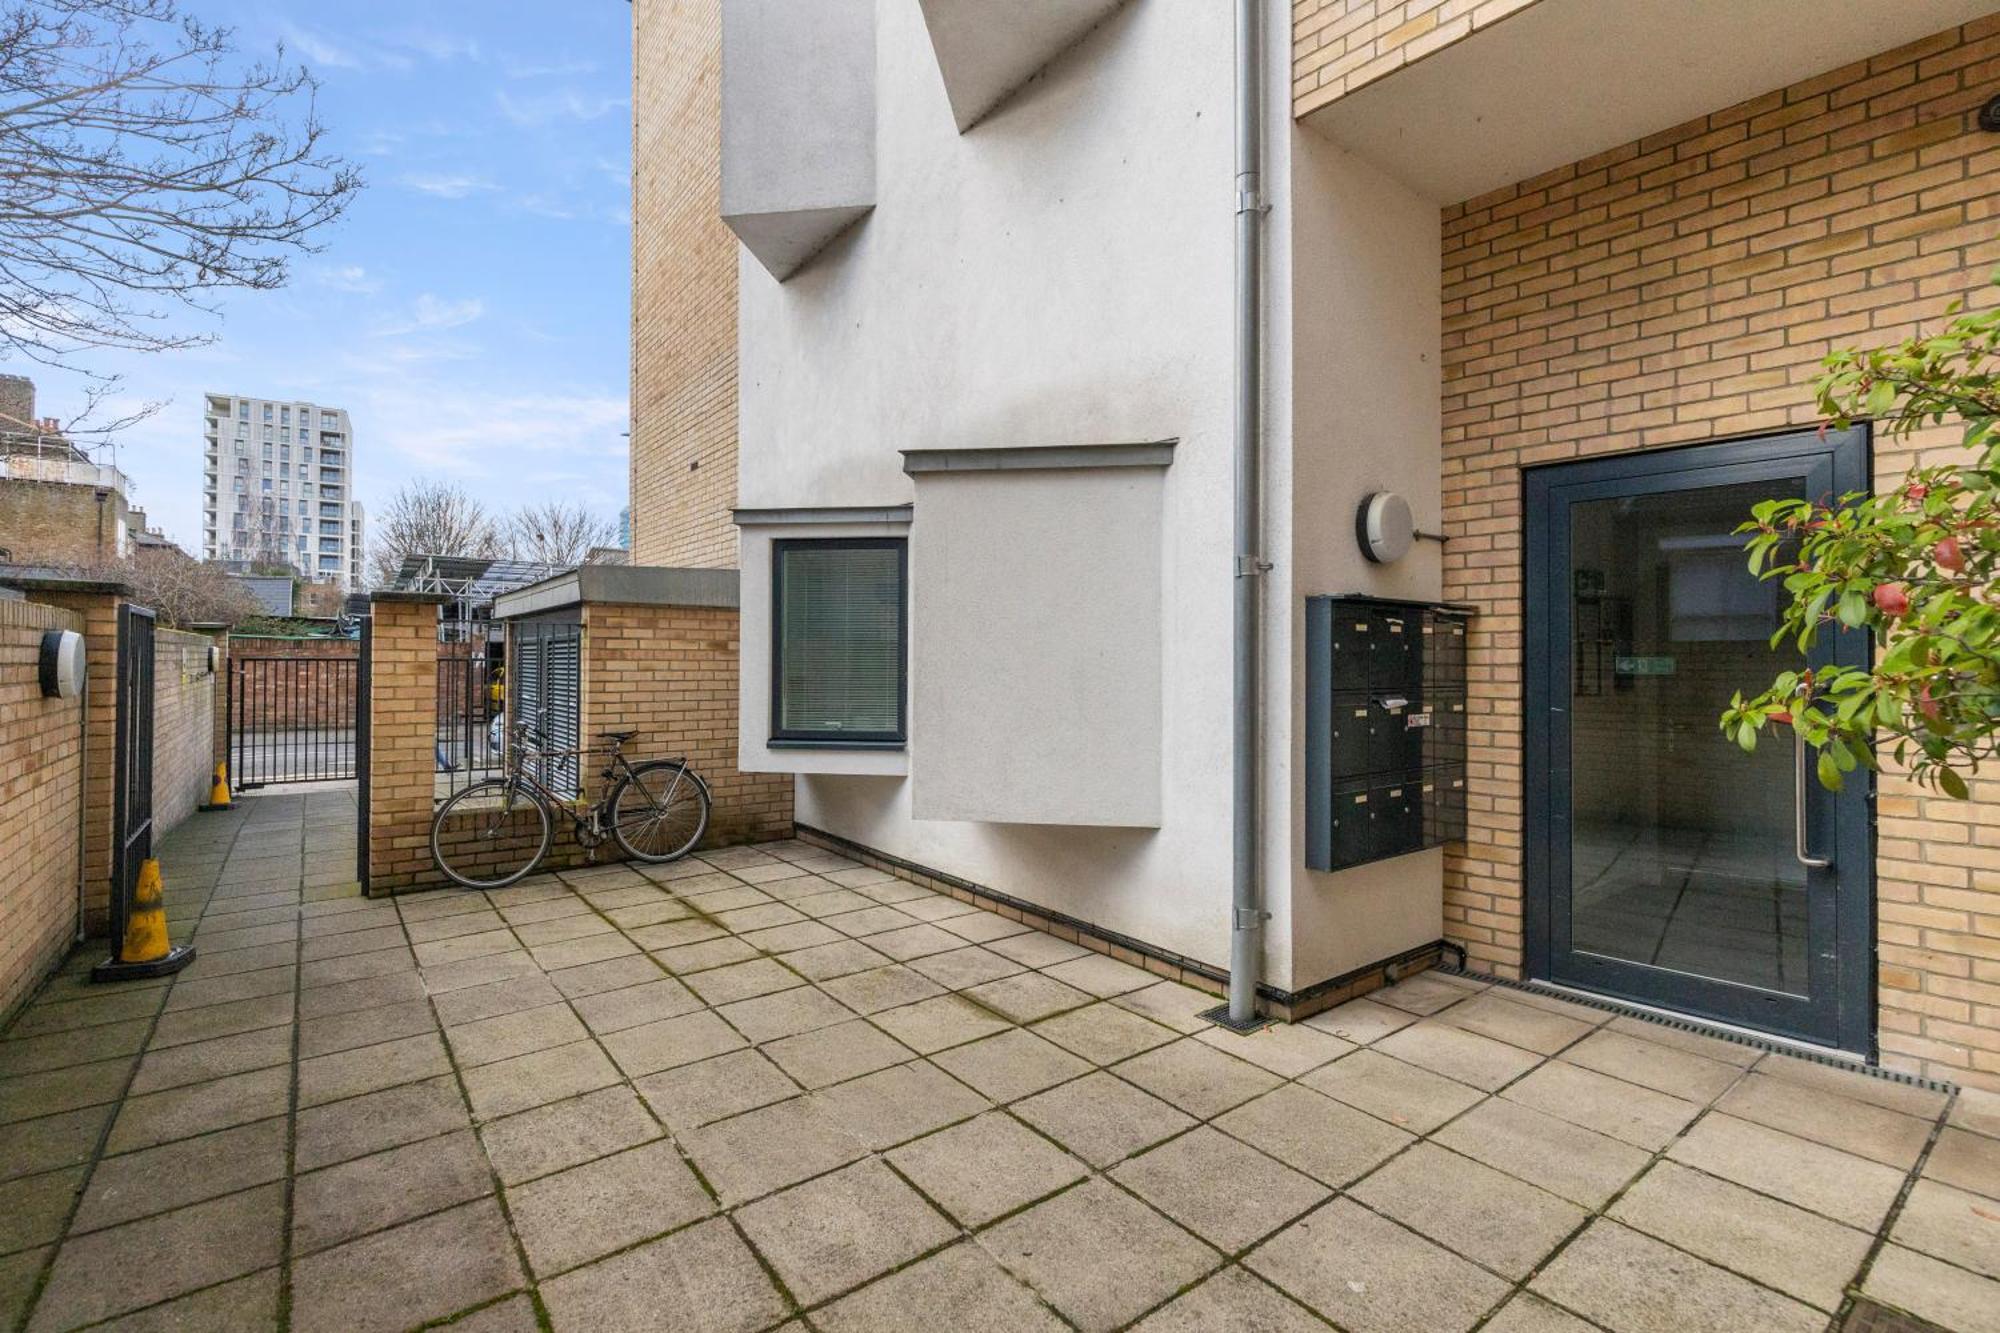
1246 935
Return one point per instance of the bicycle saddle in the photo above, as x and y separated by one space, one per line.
619 736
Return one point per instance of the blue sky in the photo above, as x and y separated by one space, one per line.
472 309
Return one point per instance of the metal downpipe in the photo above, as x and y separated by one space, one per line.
1246 936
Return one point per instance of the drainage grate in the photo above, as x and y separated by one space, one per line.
1708 1030
1220 1017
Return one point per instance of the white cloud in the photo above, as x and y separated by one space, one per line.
320 49
433 314
446 185
348 278
567 104
556 69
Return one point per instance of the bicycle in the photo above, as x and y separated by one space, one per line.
496 832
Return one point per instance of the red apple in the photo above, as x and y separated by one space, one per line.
1948 555
1782 716
1891 600
1917 492
1926 704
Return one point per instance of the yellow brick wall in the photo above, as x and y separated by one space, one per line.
55 523
1340 45
402 744
97 613
683 455
670 671
40 761
1684 288
183 727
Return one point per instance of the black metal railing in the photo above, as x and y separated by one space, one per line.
471 703
292 719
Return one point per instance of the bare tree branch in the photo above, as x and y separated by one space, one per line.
144 167
557 532
429 517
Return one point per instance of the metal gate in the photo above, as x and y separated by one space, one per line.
132 802
292 719
471 671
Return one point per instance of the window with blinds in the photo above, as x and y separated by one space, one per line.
840 641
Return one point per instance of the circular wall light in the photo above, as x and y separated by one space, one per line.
1384 527
62 664
1989 116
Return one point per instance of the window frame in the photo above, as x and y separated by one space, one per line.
780 738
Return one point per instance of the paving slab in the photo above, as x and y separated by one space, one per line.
1098 1255
1624 1280
1369 1275
841 1101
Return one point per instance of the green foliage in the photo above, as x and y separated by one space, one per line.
1915 566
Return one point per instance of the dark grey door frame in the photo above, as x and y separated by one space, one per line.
1840 1011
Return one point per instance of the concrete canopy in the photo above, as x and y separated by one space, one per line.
986 51
798 124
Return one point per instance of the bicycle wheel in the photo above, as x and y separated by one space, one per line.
491 834
660 812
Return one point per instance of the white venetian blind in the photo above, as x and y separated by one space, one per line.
840 649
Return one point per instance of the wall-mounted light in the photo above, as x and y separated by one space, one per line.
1385 528
62 664
1989 116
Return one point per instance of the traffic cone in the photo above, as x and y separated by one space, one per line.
145 951
218 797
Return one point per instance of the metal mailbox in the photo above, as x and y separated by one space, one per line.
1386 728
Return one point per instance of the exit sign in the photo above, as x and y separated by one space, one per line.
1643 666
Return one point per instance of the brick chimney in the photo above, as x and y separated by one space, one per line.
17 403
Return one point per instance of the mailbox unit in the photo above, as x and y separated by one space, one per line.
1385 729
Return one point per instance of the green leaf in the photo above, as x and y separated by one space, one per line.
1953 785
1829 773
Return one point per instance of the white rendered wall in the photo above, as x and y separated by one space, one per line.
1365 320
1035 685
1061 274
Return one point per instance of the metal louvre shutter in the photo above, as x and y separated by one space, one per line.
563 686
546 679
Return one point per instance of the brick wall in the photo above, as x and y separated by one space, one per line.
683 455
402 743
98 613
55 523
40 760
298 690
1683 288
183 734
670 671
1340 45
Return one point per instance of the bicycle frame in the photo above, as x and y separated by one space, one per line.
588 822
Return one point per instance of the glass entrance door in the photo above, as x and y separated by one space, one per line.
1663 864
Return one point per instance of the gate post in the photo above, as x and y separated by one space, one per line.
402 738
96 602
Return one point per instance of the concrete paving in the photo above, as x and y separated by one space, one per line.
772 1089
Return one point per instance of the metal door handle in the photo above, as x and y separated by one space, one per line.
1799 810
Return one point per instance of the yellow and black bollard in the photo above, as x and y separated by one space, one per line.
218 797
144 949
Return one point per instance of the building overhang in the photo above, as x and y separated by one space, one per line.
621 585
987 51
1562 80
798 125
